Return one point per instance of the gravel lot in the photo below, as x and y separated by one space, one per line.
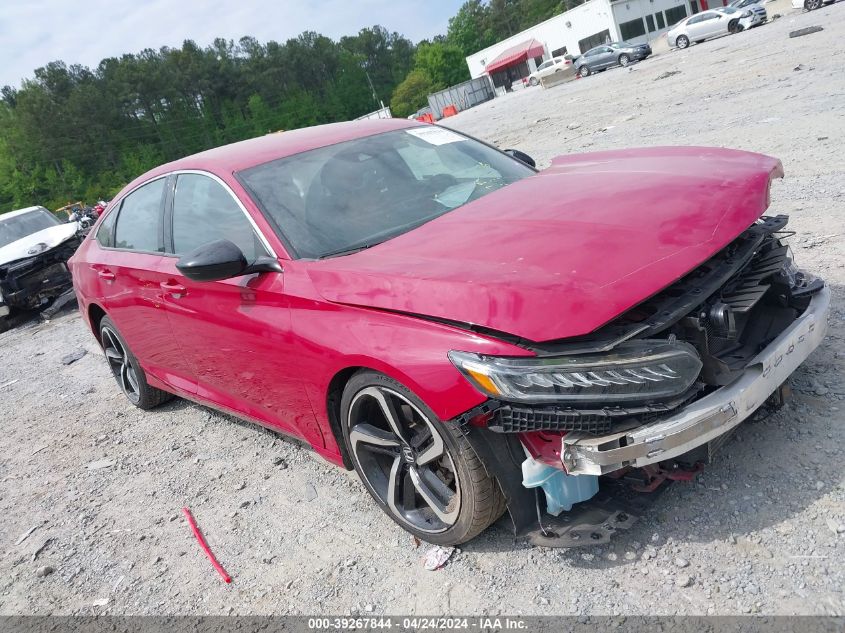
763 530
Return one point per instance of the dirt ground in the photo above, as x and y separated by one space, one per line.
762 530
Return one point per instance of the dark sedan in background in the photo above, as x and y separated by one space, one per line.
609 55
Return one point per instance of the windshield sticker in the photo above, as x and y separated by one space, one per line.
436 135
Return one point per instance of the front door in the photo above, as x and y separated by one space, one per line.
604 58
235 333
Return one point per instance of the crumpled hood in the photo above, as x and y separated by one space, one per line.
52 237
562 253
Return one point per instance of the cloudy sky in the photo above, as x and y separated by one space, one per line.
36 32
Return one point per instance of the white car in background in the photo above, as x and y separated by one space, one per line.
714 23
34 248
551 66
810 5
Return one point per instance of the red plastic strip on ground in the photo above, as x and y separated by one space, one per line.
204 546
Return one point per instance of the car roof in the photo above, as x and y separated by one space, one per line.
12 214
245 154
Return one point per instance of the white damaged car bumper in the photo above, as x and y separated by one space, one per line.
758 16
706 419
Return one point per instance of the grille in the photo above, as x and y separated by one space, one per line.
512 418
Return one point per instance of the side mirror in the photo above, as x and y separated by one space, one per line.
222 260
212 262
521 156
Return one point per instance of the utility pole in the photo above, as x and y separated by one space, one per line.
370 81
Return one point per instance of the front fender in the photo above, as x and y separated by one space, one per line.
410 350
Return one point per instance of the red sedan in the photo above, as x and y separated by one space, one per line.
471 335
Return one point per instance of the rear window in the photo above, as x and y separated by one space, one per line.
105 234
139 223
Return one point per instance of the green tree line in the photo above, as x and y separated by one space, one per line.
76 133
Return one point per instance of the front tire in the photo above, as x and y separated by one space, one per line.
584 71
624 60
423 473
682 42
127 370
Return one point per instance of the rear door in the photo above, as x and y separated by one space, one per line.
235 333
130 266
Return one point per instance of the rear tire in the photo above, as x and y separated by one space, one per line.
127 370
533 81
423 473
682 42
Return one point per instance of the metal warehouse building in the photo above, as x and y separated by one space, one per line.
578 30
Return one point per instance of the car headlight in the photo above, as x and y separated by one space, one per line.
635 371
746 14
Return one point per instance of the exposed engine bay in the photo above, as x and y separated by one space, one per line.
33 282
748 305
728 309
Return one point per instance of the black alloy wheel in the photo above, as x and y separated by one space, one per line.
121 365
422 472
127 371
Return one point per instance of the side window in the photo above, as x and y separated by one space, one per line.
544 65
139 222
696 19
105 234
204 211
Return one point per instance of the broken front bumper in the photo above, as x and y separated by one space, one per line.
706 419
27 284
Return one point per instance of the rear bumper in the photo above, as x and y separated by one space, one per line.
706 419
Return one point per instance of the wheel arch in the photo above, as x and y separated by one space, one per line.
337 383
334 395
95 316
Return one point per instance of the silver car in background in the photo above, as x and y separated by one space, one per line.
750 15
714 23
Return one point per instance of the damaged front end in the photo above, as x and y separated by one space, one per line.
36 281
649 396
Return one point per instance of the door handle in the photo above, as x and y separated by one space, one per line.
106 275
177 290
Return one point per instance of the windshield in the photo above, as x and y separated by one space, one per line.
356 194
17 227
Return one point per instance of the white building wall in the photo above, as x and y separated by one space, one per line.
562 30
626 10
